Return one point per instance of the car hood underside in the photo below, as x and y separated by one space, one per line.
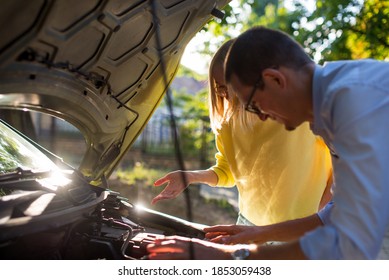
103 66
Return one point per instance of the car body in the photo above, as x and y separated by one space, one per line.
103 67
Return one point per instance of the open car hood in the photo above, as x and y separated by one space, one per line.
103 66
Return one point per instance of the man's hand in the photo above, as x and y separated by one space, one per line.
236 234
182 248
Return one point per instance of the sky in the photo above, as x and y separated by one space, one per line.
192 59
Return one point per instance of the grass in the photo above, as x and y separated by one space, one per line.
223 204
140 172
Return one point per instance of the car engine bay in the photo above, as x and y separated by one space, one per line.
111 229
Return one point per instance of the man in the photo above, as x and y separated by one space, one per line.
346 103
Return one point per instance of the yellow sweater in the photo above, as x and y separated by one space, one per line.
280 174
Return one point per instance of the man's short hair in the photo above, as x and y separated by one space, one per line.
259 48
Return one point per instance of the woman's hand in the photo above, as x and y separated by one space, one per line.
177 181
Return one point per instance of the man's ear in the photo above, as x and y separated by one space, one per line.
273 77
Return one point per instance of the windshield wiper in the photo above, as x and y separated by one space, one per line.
20 173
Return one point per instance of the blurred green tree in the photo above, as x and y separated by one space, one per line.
196 137
328 30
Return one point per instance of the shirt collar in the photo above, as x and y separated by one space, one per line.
317 99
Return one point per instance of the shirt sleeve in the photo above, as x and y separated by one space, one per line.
356 224
324 213
221 168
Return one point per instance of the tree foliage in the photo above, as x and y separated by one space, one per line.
332 30
196 138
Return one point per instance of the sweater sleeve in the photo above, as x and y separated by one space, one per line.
221 167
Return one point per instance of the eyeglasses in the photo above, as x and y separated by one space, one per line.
251 107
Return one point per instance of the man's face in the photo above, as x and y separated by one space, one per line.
266 99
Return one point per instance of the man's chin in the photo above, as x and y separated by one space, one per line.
289 128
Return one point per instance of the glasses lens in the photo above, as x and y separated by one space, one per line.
249 106
252 109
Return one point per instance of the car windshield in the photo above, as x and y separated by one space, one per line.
17 153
